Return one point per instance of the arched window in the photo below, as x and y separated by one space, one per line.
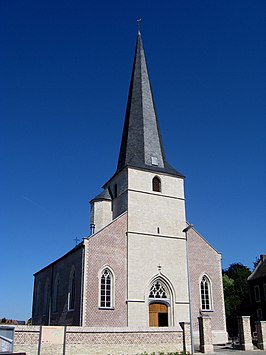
72 290
158 290
106 289
156 184
205 293
56 294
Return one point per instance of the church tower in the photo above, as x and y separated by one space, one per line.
151 192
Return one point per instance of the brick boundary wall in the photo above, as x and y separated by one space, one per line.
103 341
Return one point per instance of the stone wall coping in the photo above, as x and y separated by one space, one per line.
27 328
73 329
70 329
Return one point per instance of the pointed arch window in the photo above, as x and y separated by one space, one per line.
106 289
56 294
158 290
156 184
205 293
72 290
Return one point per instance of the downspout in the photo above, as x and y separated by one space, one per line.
189 289
82 285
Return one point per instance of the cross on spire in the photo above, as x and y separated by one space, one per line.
76 240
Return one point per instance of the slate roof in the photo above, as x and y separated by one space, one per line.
104 195
141 144
260 270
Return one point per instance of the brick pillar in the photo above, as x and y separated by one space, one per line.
261 330
205 332
244 330
186 337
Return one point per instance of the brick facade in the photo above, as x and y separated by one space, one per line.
245 337
205 330
107 248
103 341
205 260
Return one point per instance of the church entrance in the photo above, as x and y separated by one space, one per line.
158 315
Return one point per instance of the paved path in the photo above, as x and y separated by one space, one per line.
227 350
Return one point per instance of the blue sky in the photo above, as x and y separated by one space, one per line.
65 68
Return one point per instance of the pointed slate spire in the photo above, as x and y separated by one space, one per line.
141 144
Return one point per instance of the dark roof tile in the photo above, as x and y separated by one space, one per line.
141 144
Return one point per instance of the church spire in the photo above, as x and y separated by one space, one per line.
141 144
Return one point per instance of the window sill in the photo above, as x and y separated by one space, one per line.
106 308
71 310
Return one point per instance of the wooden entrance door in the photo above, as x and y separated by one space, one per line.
158 315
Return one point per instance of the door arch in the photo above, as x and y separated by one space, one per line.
159 303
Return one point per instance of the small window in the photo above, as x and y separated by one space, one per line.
156 184
205 293
72 290
257 293
106 289
154 161
264 289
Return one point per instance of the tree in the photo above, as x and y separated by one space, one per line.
236 294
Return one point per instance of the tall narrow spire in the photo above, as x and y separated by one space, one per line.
141 144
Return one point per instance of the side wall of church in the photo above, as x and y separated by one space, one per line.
106 249
44 309
204 260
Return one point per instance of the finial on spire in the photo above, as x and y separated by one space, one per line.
139 25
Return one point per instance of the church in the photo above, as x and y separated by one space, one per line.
143 266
